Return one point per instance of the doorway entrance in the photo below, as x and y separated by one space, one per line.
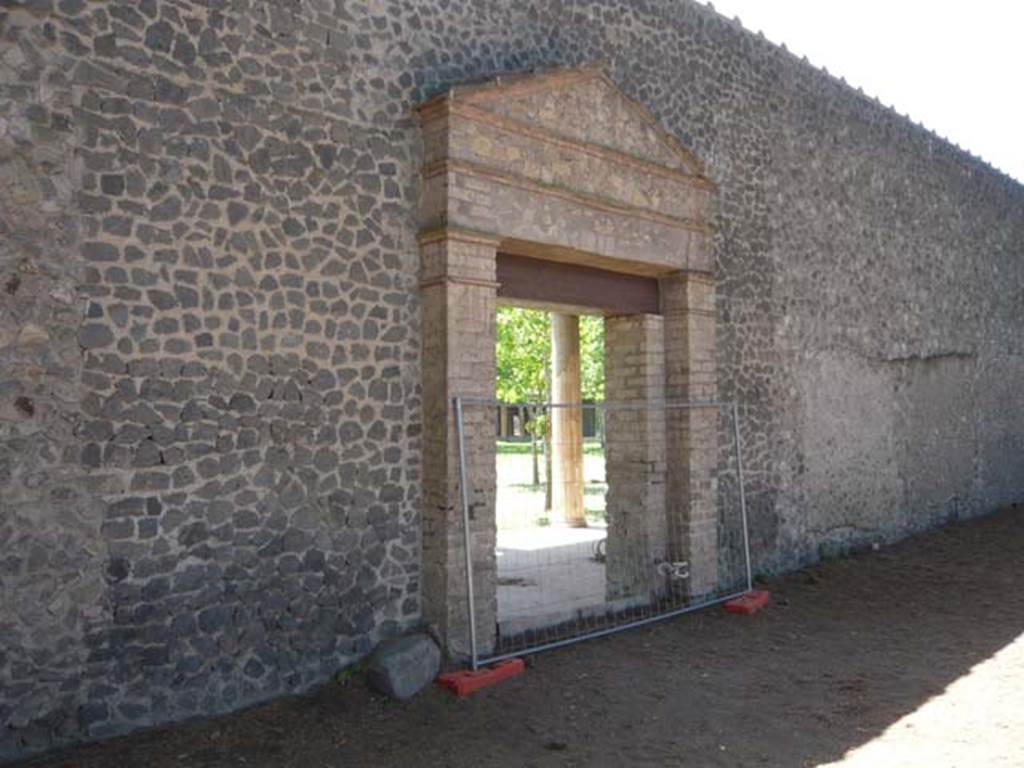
588 209
550 467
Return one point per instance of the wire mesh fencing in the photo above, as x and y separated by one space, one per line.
585 519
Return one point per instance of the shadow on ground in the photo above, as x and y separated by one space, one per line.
846 650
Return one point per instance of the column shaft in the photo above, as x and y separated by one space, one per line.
567 423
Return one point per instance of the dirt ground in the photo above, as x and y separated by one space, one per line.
903 657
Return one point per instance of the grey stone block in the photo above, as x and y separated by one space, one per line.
400 667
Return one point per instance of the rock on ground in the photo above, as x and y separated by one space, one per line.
402 666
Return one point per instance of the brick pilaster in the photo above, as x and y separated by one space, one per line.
688 307
458 305
634 453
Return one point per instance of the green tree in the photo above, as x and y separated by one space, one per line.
524 367
524 357
592 357
523 354
592 365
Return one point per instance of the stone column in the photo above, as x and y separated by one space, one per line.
634 363
566 423
458 292
688 308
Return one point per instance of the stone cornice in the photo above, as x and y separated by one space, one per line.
607 205
458 234
456 280
689 276
687 312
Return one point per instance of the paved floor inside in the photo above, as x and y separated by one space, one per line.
548 574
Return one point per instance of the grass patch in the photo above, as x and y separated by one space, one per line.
591 447
348 674
512 447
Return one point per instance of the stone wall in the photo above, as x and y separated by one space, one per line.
210 325
210 417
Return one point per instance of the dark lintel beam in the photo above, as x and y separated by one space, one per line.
536 281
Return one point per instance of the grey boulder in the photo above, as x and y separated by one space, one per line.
400 667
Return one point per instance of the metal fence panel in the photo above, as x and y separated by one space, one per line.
666 522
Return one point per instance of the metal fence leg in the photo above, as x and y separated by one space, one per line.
743 496
466 538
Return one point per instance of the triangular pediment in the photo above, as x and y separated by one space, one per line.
563 165
581 104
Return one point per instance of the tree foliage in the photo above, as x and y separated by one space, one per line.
592 357
524 353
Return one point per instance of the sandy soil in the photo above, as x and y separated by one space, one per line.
910 656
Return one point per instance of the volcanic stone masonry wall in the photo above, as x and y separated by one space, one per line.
209 323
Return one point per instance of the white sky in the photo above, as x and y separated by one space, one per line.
955 67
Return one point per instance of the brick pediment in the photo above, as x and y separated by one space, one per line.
582 104
579 104
562 164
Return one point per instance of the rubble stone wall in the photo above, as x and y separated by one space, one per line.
210 326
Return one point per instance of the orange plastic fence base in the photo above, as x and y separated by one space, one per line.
465 682
752 602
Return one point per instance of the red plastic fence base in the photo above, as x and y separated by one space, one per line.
465 682
752 602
